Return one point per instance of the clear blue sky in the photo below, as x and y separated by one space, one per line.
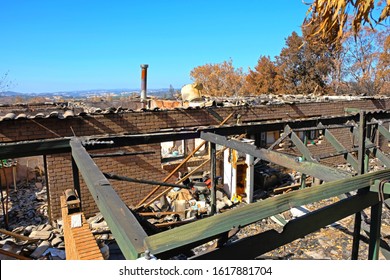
58 45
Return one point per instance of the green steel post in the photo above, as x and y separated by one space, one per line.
376 210
361 167
303 177
76 181
375 231
213 163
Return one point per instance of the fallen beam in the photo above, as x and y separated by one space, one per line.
128 233
212 227
310 168
13 255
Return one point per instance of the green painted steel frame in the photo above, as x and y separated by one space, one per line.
212 227
311 168
256 245
123 224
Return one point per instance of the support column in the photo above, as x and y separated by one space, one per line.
249 178
303 177
375 231
213 176
361 168
76 180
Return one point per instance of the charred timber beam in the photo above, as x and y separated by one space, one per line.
141 181
311 168
208 228
120 154
123 224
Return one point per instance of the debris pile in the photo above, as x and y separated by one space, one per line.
182 206
29 233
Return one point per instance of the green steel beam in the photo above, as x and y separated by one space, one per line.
311 168
254 246
34 148
379 154
212 227
123 224
213 167
339 148
383 130
61 145
301 146
362 159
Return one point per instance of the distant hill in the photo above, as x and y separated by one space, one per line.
85 93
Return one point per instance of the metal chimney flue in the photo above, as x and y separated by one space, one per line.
144 74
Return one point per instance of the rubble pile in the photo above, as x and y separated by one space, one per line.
29 232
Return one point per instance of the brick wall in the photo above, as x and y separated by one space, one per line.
149 166
80 244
